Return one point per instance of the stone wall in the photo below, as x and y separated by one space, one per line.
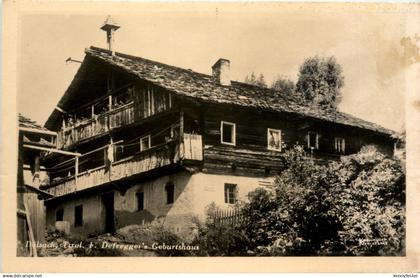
209 188
93 218
192 195
176 216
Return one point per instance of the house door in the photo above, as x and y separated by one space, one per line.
108 202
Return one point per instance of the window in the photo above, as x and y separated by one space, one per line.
230 193
140 201
274 139
78 215
340 145
59 215
145 143
228 133
170 192
313 140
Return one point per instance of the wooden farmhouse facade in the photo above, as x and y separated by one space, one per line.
158 141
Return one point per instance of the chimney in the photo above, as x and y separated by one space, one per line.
110 26
221 72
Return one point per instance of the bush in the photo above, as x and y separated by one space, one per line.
371 205
219 239
352 207
154 232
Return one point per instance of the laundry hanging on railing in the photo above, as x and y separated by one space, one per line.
110 153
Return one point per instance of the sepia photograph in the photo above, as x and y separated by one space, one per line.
213 130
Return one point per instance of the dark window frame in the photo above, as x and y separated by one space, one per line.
140 202
78 216
59 215
170 193
230 193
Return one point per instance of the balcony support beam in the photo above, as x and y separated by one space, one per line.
110 102
181 124
76 170
51 150
35 130
181 135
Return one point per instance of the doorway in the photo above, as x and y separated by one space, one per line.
108 202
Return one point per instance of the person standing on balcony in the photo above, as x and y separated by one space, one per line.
171 145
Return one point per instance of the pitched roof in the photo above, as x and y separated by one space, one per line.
29 127
188 83
28 123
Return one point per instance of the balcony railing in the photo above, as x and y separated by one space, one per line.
158 156
101 124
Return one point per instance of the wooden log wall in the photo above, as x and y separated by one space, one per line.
150 100
250 155
37 215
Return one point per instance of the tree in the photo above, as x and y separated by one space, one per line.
284 85
257 81
319 82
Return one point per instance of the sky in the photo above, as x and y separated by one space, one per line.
272 39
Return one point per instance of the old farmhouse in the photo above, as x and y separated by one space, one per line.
157 141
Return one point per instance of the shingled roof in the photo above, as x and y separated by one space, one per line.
28 123
29 126
190 84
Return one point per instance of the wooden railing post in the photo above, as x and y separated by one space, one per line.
181 135
110 102
76 171
109 156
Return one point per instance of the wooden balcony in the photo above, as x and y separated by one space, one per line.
101 124
153 158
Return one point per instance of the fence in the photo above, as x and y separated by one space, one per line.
231 216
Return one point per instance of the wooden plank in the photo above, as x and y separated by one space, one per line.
21 212
100 148
76 170
51 150
152 101
40 131
31 233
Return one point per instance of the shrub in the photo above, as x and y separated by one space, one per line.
371 205
352 207
220 239
150 233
